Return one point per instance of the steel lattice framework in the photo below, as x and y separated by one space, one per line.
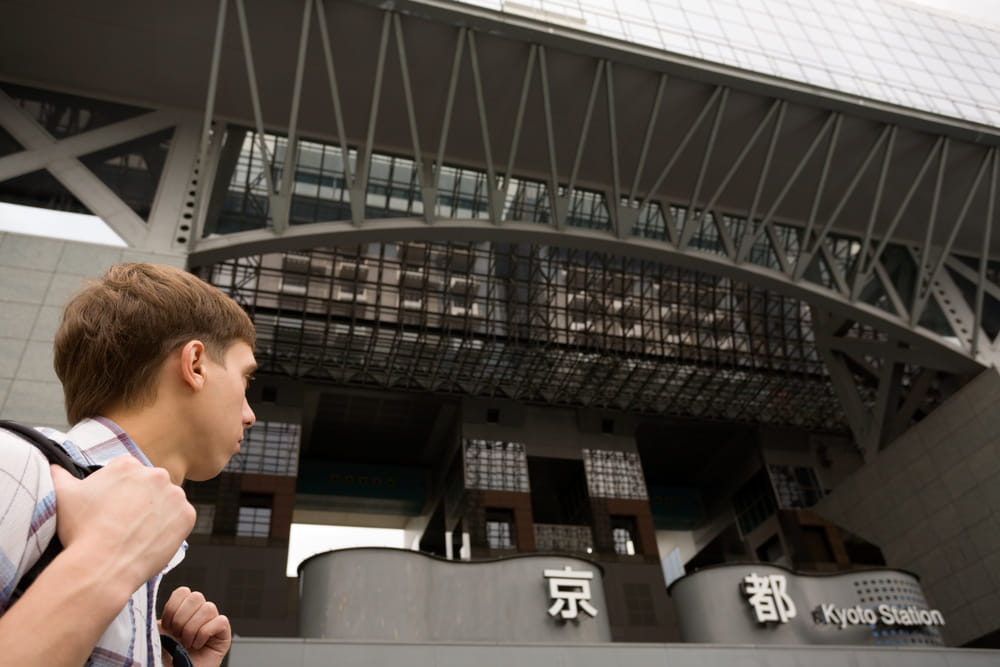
333 125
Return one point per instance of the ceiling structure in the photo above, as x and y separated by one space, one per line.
598 223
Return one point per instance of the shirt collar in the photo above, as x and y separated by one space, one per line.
98 439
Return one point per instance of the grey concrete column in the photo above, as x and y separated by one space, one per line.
931 500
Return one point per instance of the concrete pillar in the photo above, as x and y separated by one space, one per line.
931 501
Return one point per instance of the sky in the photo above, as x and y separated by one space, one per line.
306 540
56 224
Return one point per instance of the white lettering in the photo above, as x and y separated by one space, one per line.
768 596
887 613
829 614
936 617
569 589
869 616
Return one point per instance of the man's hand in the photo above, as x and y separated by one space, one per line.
197 624
129 513
119 527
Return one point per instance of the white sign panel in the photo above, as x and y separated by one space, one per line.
771 603
570 592
768 595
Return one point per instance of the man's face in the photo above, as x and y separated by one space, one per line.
224 411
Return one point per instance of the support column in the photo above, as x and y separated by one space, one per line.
931 501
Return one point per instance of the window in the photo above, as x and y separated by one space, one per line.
496 465
270 448
254 517
500 529
797 487
614 474
624 535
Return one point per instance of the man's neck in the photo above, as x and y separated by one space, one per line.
156 435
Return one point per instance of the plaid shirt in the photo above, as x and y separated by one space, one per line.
28 523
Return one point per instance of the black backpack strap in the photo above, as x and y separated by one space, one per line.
56 455
177 652
52 450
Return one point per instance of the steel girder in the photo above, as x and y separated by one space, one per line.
778 178
832 173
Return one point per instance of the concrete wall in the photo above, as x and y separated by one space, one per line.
931 500
713 609
37 277
397 595
248 652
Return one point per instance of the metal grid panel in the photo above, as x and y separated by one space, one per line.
614 474
537 323
496 465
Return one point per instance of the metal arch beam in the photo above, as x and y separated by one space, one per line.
947 355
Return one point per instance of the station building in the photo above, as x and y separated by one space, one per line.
651 327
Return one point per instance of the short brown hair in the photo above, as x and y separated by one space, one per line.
117 331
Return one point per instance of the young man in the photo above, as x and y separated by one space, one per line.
154 365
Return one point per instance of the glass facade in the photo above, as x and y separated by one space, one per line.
614 475
320 194
269 448
887 50
754 502
496 465
796 486
540 323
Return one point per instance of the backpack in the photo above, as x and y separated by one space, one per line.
56 455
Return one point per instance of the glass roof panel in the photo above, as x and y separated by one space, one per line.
845 46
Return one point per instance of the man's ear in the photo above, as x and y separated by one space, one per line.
192 360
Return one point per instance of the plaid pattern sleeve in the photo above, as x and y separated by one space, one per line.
28 522
27 510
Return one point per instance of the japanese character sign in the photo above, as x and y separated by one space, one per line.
570 592
768 595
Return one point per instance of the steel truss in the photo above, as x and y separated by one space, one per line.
882 225
167 227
